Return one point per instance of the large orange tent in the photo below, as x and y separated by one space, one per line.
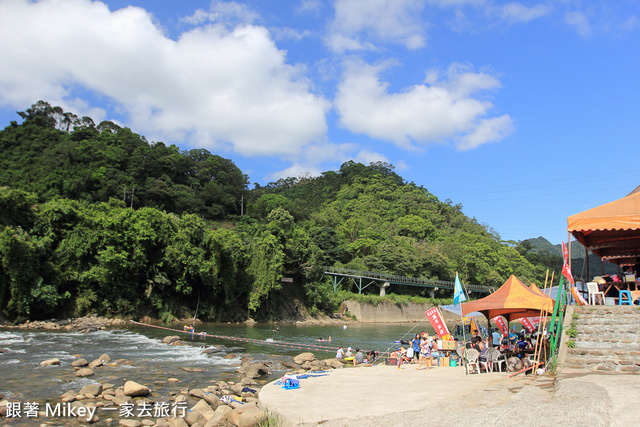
512 300
612 230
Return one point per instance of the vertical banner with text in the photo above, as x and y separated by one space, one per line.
528 323
435 317
502 324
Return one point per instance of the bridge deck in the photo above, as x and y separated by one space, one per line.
401 280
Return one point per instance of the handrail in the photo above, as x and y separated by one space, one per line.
402 280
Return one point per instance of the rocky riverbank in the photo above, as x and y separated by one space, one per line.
106 396
80 324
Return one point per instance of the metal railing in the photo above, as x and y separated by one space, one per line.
402 280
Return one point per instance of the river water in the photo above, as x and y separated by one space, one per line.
22 378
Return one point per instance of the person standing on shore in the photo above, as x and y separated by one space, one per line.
415 344
425 352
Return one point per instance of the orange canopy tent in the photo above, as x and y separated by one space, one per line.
612 230
512 300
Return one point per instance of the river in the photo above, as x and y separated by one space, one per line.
22 378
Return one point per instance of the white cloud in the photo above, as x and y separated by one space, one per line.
488 130
358 24
307 6
290 34
212 86
366 157
229 13
629 24
517 12
580 22
296 170
322 156
426 113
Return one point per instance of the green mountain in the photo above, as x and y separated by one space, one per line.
541 250
95 219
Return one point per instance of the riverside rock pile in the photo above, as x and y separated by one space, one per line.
223 403
220 403
80 324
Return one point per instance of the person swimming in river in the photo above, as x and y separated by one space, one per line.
323 340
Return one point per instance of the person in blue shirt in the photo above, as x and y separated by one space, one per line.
512 338
415 344
495 338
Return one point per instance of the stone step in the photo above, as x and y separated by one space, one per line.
608 320
615 329
607 309
619 354
606 346
602 367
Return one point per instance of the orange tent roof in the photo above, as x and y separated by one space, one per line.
612 230
539 291
512 300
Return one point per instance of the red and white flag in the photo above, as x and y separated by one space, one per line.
527 323
502 324
435 317
566 271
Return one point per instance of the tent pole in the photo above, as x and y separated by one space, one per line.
464 338
535 352
569 248
586 259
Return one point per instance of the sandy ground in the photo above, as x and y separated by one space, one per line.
384 395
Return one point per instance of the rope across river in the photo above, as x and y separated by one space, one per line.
309 347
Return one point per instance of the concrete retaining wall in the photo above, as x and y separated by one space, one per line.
387 312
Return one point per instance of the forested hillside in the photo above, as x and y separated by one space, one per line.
95 219
540 251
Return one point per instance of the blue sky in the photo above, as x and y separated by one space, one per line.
523 112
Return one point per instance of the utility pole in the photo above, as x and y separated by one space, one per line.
241 205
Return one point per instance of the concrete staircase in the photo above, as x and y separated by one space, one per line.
608 340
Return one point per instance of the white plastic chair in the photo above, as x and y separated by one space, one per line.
498 358
594 291
471 354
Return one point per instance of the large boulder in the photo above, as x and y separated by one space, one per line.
304 357
79 363
197 392
84 372
333 363
50 362
170 339
92 389
256 370
203 408
212 400
94 364
194 417
253 418
68 396
132 389
219 416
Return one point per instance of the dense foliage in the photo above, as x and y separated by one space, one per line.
55 154
70 244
